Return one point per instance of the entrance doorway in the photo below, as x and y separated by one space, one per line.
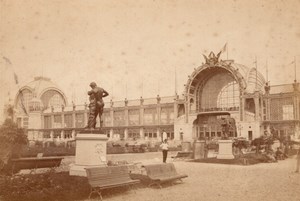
250 136
208 126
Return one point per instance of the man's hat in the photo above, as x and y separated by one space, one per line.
93 84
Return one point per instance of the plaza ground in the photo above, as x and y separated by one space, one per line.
213 182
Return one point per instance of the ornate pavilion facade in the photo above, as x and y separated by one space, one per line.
215 92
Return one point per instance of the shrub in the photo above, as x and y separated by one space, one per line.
12 139
49 186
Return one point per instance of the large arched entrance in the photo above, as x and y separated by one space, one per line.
222 89
218 92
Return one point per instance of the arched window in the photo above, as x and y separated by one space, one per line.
220 91
52 98
229 96
23 100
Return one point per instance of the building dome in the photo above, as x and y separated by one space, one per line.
255 81
39 94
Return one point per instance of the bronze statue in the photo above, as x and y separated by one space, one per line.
96 105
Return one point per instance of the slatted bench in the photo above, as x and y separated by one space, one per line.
182 155
34 163
101 178
161 173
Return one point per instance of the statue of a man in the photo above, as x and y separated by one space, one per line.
96 104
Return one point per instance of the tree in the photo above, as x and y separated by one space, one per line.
11 140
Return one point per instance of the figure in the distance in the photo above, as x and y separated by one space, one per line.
96 104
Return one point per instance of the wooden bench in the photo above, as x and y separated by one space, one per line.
108 177
182 155
34 163
161 173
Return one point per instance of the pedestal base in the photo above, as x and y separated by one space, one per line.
90 152
79 170
225 149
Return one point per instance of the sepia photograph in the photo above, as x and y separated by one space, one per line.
152 100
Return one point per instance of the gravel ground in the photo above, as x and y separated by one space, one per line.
213 182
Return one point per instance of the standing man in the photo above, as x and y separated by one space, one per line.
298 161
165 147
96 104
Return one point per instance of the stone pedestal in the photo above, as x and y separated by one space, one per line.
90 152
225 149
186 146
199 150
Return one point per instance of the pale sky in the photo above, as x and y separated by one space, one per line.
140 43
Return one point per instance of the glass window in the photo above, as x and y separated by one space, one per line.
281 109
79 120
134 133
288 112
134 117
68 121
220 91
106 119
47 122
150 116
25 122
52 98
119 118
57 121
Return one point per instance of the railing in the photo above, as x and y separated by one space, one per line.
119 103
216 109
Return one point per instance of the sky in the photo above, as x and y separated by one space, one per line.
133 48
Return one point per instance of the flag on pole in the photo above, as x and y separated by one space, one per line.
22 102
7 60
224 49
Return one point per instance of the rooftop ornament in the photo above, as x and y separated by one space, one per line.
212 59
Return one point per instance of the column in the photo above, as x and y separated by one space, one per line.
242 108
42 121
85 114
126 113
126 133
111 133
73 120
62 118
256 102
142 136
62 134
158 110
186 108
52 119
175 109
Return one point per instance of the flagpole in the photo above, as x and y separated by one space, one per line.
142 86
126 82
175 81
267 71
295 69
256 72
227 50
158 90
17 83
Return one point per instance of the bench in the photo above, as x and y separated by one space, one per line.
182 154
161 173
101 178
34 163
